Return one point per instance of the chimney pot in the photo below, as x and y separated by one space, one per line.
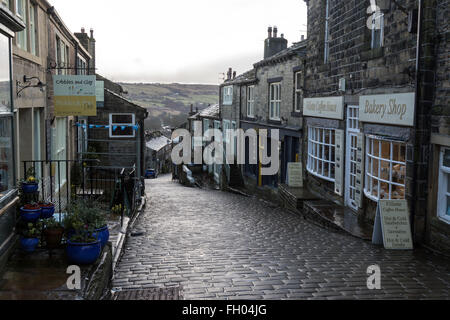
92 33
303 37
282 35
234 74
82 30
270 32
275 32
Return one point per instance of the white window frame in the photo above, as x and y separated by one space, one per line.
373 43
316 153
60 150
298 91
274 101
327 33
22 38
443 189
369 175
112 124
33 28
227 95
250 101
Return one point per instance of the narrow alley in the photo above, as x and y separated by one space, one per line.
243 248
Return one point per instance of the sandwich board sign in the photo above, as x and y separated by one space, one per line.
392 226
295 174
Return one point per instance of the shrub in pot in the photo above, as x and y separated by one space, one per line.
31 212
82 248
48 210
53 233
30 237
30 184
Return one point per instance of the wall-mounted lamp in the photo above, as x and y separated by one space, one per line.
27 84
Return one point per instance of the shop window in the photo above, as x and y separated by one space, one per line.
251 101
5 76
275 101
121 125
321 153
385 169
444 186
227 95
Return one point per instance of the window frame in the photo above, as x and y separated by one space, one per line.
251 101
275 101
298 92
227 94
373 43
369 177
21 39
443 188
33 30
111 124
313 153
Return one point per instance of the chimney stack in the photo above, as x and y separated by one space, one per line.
234 75
270 32
83 30
303 37
273 44
229 73
92 33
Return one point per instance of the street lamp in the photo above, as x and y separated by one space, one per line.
27 84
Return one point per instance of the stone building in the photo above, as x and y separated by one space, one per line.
157 152
367 111
9 25
438 211
268 97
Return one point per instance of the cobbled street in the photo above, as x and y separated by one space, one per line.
218 245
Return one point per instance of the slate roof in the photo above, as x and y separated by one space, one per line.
246 77
158 143
211 112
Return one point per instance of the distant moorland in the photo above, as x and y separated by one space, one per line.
169 104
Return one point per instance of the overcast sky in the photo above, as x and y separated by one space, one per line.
187 41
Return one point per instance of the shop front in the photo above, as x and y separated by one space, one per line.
387 121
8 193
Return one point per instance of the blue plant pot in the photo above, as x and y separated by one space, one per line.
102 234
30 187
29 244
30 216
83 253
47 212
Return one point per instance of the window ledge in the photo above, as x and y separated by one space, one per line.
372 54
296 114
320 176
274 121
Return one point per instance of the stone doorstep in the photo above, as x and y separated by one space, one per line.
337 217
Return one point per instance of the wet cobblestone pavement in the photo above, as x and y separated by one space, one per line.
218 245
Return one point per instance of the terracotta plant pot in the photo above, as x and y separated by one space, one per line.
53 237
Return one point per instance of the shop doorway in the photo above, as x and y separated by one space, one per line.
351 156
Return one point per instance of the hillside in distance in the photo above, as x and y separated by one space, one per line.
169 104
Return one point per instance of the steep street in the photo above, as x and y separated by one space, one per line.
217 245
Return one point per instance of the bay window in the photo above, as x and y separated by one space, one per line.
275 101
6 119
443 206
385 169
321 153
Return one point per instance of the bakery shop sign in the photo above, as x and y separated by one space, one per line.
395 109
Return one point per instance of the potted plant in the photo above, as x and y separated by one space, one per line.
30 184
53 233
94 218
48 210
31 212
82 248
30 237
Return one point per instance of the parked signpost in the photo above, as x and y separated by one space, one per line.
392 226
295 175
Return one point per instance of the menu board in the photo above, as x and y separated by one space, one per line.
359 170
339 167
295 175
392 226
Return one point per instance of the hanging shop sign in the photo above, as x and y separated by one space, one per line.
339 159
397 109
392 226
100 93
295 175
327 107
74 95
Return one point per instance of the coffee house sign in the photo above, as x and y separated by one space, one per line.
328 107
397 109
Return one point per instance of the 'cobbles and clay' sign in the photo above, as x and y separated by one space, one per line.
392 222
295 175
329 107
395 109
74 95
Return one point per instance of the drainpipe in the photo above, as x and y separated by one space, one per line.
417 101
